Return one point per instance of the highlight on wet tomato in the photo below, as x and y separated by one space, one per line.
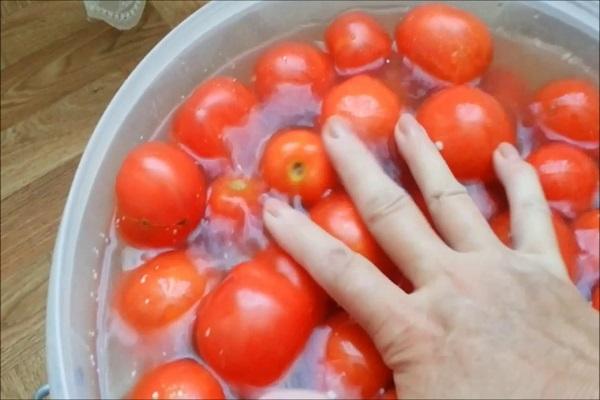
357 43
568 109
448 43
160 291
181 379
467 125
587 231
235 198
371 108
293 63
569 176
353 366
252 327
509 89
160 196
567 244
201 121
294 162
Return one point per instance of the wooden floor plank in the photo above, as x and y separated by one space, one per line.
175 11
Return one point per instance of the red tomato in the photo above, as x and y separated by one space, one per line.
508 88
181 379
589 220
293 63
256 322
566 239
161 195
370 106
467 125
160 291
357 42
390 394
294 162
201 120
569 108
596 297
235 198
569 177
354 367
446 42
587 232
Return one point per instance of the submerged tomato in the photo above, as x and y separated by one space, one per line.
370 106
292 63
354 368
509 89
566 240
235 198
569 177
215 105
467 125
181 379
160 291
446 42
161 195
294 162
357 42
256 322
569 108
596 297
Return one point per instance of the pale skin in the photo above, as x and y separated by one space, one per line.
484 321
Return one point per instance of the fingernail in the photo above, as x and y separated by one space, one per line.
335 127
273 206
508 151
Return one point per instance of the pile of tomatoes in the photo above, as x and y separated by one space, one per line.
254 318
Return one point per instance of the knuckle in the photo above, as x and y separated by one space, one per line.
441 195
340 257
534 205
382 206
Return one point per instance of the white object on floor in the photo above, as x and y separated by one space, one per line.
122 14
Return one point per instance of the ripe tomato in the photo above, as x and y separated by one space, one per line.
569 108
566 239
587 232
353 365
181 379
370 106
292 63
596 297
569 177
467 125
216 104
294 162
390 394
161 195
256 322
509 89
446 42
235 198
357 42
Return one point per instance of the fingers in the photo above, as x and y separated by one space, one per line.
455 214
356 284
388 211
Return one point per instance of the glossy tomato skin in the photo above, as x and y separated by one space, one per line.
567 244
371 108
353 366
293 63
256 322
448 43
201 120
294 162
569 176
569 108
587 231
357 42
467 125
160 291
161 196
181 379
235 198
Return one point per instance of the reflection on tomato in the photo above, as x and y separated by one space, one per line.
181 379
566 240
353 366
161 195
371 108
256 322
587 232
569 108
294 162
234 198
446 42
357 42
467 125
569 177
509 89
160 291
215 105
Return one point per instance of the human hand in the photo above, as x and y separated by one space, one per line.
484 320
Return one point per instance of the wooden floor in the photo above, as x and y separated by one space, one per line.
58 73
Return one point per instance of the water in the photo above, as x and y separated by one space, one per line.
123 355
